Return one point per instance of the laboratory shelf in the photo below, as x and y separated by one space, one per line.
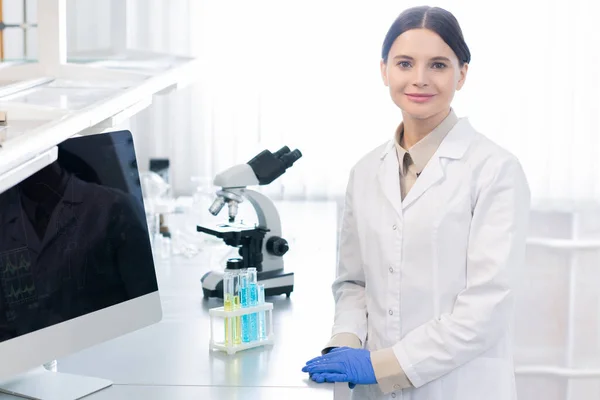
130 60
91 94
61 94
555 371
565 244
70 96
8 87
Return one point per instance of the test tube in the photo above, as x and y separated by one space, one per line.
244 302
228 292
253 301
237 323
262 324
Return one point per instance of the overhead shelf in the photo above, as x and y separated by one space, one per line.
90 93
62 94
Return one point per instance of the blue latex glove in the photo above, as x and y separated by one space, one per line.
342 364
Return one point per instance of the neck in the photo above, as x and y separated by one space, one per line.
416 129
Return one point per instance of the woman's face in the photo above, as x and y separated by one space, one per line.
422 73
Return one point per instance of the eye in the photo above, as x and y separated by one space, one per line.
403 64
439 65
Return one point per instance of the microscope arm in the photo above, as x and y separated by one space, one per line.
267 214
238 176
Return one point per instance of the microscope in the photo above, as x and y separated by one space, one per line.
260 246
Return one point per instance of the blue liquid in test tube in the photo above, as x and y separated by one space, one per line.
244 300
253 301
262 323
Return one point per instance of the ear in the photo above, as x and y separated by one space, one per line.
383 67
462 76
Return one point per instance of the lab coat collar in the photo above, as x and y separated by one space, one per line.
75 190
454 146
22 231
422 151
451 147
73 195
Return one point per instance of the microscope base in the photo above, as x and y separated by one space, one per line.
276 283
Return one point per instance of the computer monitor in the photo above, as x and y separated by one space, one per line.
76 265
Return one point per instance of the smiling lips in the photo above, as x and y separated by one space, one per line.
419 97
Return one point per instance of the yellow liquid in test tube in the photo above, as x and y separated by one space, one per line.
228 306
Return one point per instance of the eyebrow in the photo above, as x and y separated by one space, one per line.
438 58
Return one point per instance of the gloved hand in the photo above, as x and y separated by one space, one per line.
342 364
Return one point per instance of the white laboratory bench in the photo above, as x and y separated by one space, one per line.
171 360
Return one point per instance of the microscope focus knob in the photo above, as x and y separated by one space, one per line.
277 246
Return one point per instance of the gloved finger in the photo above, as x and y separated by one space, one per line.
351 385
314 360
327 377
319 359
335 377
332 354
330 367
307 367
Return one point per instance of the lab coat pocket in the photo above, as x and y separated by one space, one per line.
483 378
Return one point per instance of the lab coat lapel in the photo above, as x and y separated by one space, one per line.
389 177
454 146
432 173
63 216
20 230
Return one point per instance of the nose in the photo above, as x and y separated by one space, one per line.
420 78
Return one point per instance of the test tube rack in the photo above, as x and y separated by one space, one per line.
231 348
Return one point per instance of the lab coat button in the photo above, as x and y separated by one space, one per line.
394 395
394 227
391 270
391 312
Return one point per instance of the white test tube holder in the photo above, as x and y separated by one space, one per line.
231 348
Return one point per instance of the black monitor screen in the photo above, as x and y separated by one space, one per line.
73 236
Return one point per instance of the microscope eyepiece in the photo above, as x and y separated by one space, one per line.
269 166
281 151
290 158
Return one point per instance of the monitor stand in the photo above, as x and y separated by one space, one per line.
41 384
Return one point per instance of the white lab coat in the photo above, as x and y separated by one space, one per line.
432 271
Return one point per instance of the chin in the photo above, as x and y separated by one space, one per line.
422 111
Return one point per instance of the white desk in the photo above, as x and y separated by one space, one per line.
171 360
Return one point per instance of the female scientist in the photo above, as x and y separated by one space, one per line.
434 225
